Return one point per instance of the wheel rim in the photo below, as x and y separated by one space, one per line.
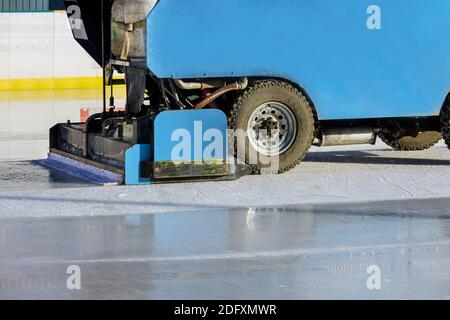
272 128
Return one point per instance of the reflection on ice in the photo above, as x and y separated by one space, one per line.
291 252
28 175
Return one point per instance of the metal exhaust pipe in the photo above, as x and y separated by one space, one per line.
341 136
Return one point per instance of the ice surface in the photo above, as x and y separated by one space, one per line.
290 252
327 176
22 176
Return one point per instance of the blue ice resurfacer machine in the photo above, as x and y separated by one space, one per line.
220 88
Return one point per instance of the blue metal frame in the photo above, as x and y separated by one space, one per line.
323 46
196 124
133 158
201 128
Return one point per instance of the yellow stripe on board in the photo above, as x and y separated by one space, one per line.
51 83
59 95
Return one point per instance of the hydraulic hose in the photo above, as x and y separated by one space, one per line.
237 86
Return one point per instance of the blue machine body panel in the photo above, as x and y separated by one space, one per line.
190 135
180 136
324 46
133 158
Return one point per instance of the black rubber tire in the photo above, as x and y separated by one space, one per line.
445 121
275 91
423 141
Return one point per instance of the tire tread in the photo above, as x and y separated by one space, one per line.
263 85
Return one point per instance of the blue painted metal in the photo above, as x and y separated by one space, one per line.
133 158
324 46
199 130
188 135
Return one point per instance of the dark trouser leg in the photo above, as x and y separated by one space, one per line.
135 81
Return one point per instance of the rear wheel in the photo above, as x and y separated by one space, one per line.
423 141
278 123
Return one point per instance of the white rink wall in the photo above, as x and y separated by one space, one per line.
40 45
36 48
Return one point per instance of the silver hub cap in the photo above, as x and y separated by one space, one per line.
272 129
